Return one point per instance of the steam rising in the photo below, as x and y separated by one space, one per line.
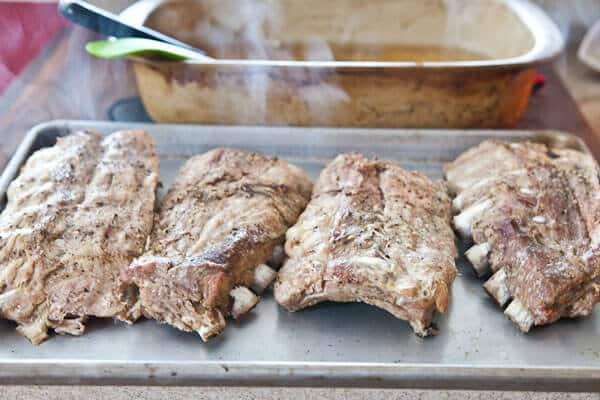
87 87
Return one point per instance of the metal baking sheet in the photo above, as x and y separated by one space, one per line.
350 345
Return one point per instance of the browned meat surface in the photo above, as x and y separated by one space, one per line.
220 221
376 233
78 213
533 214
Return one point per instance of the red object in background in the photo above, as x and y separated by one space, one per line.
538 83
24 29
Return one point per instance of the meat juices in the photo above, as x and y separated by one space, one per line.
376 233
78 212
533 214
219 223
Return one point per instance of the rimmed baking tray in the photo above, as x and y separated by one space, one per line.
351 345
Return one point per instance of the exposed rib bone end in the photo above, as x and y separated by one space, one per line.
73 327
496 287
422 330
463 222
520 315
211 326
243 301
263 277
277 258
478 257
451 176
458 203
37 332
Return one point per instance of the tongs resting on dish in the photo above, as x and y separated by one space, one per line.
104 22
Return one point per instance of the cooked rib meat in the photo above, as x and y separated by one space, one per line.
533 214
376 233
78 213
222 218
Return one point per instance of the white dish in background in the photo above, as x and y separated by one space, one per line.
589 50
510 37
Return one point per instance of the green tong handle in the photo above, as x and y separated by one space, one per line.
116 48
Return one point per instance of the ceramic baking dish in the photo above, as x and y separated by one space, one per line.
466 64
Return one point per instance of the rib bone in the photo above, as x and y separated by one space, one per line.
73 327
464 221
263 277
277 257
458 203
496 287
243 301
520 315
36 331
478 257
210 329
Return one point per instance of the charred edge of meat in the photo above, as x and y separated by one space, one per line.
520 315
478 257
263 277
277 258
464 221
496 287
243 301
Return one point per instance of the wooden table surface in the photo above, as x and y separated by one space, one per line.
64 83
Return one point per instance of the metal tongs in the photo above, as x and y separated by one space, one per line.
104 22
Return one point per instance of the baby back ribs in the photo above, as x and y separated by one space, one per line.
78 212
376 233
218 224
533 214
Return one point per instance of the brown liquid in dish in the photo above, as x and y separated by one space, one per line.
342 52
403 53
